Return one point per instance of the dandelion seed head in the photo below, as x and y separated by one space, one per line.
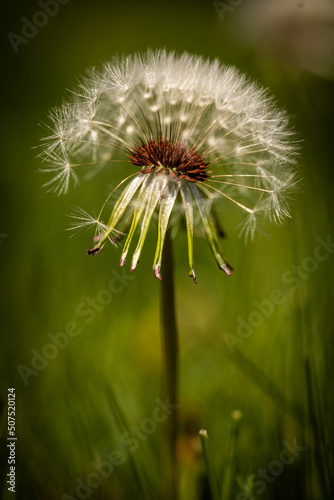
194 131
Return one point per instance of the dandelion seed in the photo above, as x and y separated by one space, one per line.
82 220
196 132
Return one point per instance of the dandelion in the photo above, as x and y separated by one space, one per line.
194 132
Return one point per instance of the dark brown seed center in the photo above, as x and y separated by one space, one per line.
185 162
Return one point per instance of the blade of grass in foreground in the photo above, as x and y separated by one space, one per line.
209 465
231 463
138 472
316 425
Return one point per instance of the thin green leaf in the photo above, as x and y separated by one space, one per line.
156 189
231 462
210 469
188 210
210 230
166 206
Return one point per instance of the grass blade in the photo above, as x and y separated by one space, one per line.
231 463
210 469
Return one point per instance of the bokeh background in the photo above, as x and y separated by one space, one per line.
73 409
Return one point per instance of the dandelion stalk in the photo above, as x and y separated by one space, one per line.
169 373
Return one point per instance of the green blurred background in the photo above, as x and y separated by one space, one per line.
107 378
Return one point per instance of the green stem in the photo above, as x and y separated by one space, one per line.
169 373
209 465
